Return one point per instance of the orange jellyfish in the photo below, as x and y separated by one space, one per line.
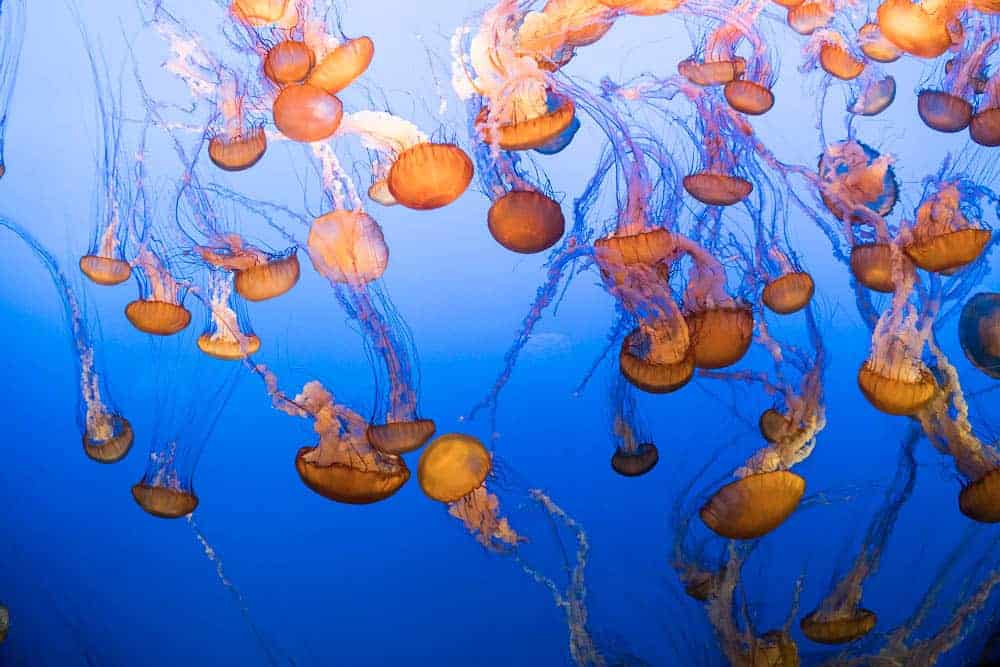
834 55
552 35
984 128
873 95
948 109
979 332
159 310
942 238
752 94
643 7
261 12
853 175
807 17
454 470
718 63
874 44
106 434
926 28
526 221
716 184
289 61
237 147
342 65
348 247
791 290
306 113
227 335
632 457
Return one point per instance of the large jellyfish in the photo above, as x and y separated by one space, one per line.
926 28
107 435
12 14
840 618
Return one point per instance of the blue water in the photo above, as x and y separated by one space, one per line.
294 578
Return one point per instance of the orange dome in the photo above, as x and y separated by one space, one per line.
839 629
353 486
985 127
159 318
526 221
238 153
720 336
429 176
980 501
776 427
268 280
307 113
453 466
114 448
104 270
634 464
288 61
874 44
788 4
837 61
808 17
228 349
942 111
753 506
713 73
644 248
348 247
789 293
651 376
341 66
260 12
871 265
523 135
717 189
164 502
400 437
874 98
949 251
379 193
907 25
894 395
748 97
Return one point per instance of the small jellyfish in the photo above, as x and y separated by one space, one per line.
526 221
289 61
873 96
643 7
657 357
834 55
428 175
942 237
273 276
348 247
632 458
754 505
238 146
516 134
979 332
159 309
4 623
716 184
948 109
807 17
789 293
342 65
306 113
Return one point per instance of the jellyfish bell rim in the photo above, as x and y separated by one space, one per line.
528 134
653 378
239 153
105 271
773 293
717 513
714 189
164 502
348 485
248 285
229 350
934 118
839 630
896 397
735 93
966 246
138 310
861 105
115 448
407 165
980 500
868 257
526 221
635 464
477 463
984 128
416 434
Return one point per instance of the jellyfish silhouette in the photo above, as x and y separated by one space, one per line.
979 332
840 618
632 456
107 435
948 109
12 15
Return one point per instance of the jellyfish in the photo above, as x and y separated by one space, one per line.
289 61
643 7
942 238
979 332
875 46
718 63
12 28
873 95
106 434
4 623
947 109
632 457
984 128
261 12
552 35
717 183
925 29
237 147
791 290
840 618
834 55
227 334
159 310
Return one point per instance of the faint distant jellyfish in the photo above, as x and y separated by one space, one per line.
158 310
979 332
873 96
348 247
453 470
632 458
289 61
227 335
306 113
926 28
428 175
943 239
526 221
874 45
236 147
893 378
4 623
984 128
336 70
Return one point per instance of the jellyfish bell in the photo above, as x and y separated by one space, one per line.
776 427
642 7
163 501
774 649
379 193
806 18
341 66
260 12
239 152
521 134
838 629
453 466
348 247
428 176
984 128
748 97
943 111
894 381
721 335
111 446
400 437
914 29
268 279
105 270
561 141
871 265
753 506
713 72
980 500
656 363
838 61
979 332
352 485
645 248
716 189
305 113
948 251
874 98
289 61
874 44
854 174
635 463
160 318
526 221
789 293
228 348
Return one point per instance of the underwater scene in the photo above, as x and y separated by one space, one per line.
500 332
